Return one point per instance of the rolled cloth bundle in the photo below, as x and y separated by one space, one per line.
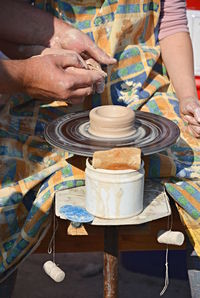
117 159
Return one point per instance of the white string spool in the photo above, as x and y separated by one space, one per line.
170 237
54 271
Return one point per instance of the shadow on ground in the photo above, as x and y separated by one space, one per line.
84 280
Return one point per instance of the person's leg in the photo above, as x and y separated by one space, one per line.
193 265
7 286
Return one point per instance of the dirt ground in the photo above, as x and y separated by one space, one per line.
84 279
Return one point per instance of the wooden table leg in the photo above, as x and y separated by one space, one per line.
110 262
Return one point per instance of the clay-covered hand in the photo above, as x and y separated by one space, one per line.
190 113
67 37
59 77
90 64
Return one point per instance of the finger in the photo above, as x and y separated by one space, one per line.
99 55
193 131
196 129
190 130
197 114
100 86
193 109
190 106
188 109
67 60
75 100
75 56
82 92
190 120
54 51
84 77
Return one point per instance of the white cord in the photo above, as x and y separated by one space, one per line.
52 242
169 226
166 273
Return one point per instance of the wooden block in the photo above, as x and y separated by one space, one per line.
73 231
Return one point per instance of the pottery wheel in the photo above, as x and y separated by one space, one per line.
152 133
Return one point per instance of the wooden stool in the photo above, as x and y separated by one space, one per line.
111 240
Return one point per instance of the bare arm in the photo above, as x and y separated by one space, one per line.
57 77
11 76
177 55
28 25
17 51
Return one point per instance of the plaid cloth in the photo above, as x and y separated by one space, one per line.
31 170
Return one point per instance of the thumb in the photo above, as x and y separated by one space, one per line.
74 60
197 114
99 55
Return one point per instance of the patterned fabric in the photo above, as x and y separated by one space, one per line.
31 170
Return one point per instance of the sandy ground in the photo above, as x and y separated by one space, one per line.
84 280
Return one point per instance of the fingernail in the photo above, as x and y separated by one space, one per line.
103 73
198 114
113 59
110 58
83 64
100 87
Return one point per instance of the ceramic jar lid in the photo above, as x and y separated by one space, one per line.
111 121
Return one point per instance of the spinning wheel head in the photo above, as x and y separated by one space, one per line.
152 133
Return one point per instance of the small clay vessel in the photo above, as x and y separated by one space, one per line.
112 121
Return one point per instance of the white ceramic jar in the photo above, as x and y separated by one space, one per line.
114 194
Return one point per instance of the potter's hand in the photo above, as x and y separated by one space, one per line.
90 64
59 77
190 113
73 39
57 51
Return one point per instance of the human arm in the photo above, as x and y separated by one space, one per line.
27 24
32 26
18 51
177 54
49 77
